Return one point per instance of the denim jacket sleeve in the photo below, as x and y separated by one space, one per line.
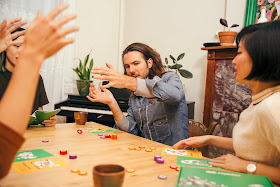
168 88
128 123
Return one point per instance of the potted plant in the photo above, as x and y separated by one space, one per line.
178 67
227 37
84 74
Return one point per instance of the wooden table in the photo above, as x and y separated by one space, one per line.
92 150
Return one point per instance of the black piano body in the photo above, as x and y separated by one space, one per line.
99 112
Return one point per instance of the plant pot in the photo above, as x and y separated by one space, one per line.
227 38
83 87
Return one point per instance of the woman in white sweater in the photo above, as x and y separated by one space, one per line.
256 136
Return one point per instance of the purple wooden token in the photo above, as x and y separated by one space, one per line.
102 137
156 157
100 134
160 161
45 140
99 116
162 177
72 156
80 131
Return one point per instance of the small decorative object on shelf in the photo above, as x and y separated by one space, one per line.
227 37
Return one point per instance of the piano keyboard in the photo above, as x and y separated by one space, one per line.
76 109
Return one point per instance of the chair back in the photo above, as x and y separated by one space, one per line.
196 128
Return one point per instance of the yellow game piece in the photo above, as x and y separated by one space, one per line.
153 148
75 170
130 170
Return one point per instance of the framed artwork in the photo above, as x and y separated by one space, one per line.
253 10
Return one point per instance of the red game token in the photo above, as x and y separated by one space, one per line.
114 136
63 152
177 169
107 136
173 167
79 131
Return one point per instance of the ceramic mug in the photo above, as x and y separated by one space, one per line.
108 175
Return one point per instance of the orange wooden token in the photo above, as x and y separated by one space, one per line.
82 173
130 170
75 170
148 150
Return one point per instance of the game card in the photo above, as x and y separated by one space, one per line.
196 162
31 155
38 165
181 152
97 130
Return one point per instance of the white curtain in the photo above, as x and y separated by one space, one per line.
56 71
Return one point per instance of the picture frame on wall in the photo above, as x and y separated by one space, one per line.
254 7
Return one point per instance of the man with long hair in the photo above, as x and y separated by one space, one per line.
157 107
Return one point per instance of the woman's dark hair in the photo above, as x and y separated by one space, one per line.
3 54
262 42
157 68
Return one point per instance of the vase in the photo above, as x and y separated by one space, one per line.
83 87
227 38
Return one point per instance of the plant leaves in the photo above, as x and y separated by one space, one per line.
166 60
172 57
176 66
185 73
234 25
90 68
180 56
223 22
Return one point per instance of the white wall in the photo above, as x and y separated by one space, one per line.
169 26
99 31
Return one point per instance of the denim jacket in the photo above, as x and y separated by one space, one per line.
164 118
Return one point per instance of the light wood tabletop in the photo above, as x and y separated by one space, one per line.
91 150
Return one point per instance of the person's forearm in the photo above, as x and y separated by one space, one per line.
221 142
273 173
16 105
131 83
117 113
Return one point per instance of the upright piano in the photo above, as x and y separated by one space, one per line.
99 112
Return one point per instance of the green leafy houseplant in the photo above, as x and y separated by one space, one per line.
178 67
84 74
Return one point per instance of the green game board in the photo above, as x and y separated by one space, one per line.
31 155
196 162
195 176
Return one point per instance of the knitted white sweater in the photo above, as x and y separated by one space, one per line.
256 136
